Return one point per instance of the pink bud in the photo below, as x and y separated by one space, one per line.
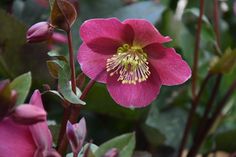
76 134
28 114
59 38
112 153
40 31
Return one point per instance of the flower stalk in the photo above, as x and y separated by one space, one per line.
75 111
196 49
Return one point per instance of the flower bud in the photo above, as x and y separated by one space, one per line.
28 114
40 31
76 134
112 153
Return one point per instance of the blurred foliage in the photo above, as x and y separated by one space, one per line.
159 127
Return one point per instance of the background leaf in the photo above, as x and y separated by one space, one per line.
124 143
22 86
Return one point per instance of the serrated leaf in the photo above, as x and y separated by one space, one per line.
65 86
225 64
124 143
22 86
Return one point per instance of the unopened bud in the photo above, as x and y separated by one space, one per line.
40 31
28 114
112 153
76 134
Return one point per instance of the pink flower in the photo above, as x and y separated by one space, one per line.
76 134
40 31
130 58
26 140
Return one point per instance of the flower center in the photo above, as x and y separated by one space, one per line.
130 62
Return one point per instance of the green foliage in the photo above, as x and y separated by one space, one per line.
168 123
225 63
22 86
124 143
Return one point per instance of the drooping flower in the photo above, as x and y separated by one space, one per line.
76 134
26 140
130 59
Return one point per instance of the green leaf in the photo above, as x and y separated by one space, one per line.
124 143
226 141
169 123
55 54
65 86
22 86
149 10
225 64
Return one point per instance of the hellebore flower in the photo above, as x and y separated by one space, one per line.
26 140
76 134
130 59
40 31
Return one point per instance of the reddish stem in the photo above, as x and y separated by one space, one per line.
216 21
72 62
208 107
75 111
196 49
191 115
67 111
194 149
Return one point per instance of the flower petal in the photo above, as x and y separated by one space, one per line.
93 64
41 135
171 68
36 99
15 140
29 114
134 96
145 33
110 28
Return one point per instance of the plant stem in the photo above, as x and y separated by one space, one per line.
216 21
196 49
194 149
191 115
75 111
204 125
208 107
72 62
67 111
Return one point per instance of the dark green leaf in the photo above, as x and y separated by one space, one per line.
169 123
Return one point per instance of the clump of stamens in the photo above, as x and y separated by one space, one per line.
130 63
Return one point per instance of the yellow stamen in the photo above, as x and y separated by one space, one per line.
130 63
